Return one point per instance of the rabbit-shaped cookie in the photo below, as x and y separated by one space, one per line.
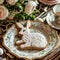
34 40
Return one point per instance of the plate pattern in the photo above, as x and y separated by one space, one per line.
9 37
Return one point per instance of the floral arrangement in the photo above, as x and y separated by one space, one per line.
19 9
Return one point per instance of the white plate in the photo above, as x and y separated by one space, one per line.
9 37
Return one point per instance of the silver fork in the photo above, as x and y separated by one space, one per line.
42 16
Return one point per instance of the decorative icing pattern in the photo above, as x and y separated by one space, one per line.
30 54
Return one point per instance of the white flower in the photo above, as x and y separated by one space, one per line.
3 12
11 2
1 1
1 51
30 7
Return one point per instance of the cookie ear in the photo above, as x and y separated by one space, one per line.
19 25
28 24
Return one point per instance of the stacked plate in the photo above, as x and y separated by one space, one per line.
49 33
